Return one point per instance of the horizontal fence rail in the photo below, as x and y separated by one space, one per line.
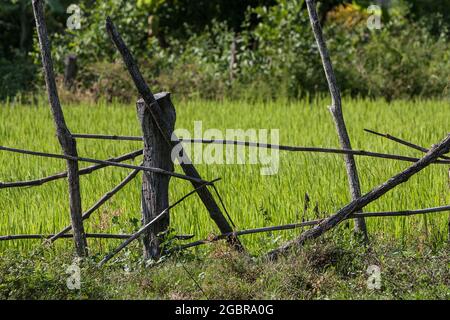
313 223
104 162
269 146
62 175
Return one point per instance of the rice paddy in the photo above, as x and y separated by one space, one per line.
253 200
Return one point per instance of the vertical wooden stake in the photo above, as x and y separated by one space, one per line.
70 70
336 111
155 187
65 138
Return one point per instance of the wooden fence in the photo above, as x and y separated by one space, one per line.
156 114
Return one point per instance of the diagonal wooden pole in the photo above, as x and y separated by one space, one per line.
336 111
354 206
67 142
156 113
149 224
312 223
100 202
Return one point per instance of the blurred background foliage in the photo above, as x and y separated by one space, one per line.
215 49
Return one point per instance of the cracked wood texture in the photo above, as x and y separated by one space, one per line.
336 111
65 138
155 187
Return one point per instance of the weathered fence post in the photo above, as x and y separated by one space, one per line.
67 142
188 168
336 111
155 187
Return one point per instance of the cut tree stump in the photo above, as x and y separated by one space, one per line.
155 187
144 90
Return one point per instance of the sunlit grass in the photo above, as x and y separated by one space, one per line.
252 200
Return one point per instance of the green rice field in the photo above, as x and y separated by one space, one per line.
253 200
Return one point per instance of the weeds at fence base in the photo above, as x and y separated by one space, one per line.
333 267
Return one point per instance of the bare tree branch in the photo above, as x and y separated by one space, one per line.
149 224
313 223
336 111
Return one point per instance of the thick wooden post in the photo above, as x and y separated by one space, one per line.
65 138
188 168
155 187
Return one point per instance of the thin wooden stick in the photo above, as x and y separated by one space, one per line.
64 236
355 205
149 224
336 111
104 162
402 213
88 235
313 223
416 147
106 137
153 106
271 146
68 144
239 233
247 232
403 142
100 202
62 175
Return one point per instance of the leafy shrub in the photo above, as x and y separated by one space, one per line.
402 60
275 54
15 76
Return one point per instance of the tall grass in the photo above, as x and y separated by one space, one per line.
252 200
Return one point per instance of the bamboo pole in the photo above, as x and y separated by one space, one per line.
67 236
68 144
64 236
414 146
403 142
313 223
